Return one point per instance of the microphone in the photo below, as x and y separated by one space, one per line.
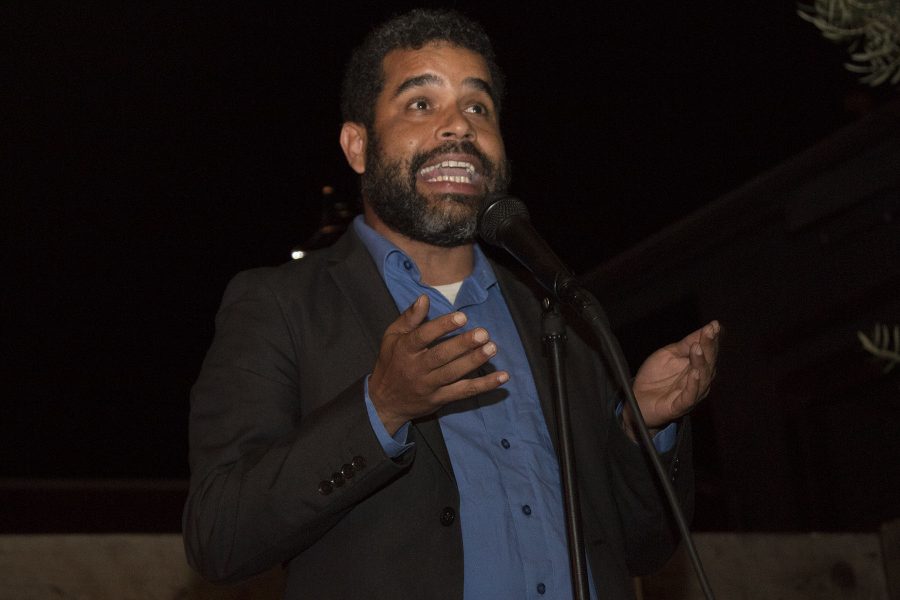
504 221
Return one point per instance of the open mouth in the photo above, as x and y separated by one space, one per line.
451 171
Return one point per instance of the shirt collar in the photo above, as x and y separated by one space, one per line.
382 250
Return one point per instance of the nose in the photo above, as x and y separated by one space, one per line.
456 125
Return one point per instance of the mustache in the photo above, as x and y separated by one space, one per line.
452 147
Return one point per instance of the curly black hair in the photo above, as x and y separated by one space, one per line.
364 77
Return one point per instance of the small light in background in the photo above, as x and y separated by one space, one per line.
337 214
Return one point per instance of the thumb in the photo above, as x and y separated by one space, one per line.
413 316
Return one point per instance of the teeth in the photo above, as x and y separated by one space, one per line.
456 179
458 164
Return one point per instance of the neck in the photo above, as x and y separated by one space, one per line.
437 264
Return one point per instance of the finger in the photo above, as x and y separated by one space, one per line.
709 341
703 370
463 365
454 347
697 357
410 318
683 347
427 333
682 400
467 388
690 395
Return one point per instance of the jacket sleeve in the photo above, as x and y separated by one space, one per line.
268 476
651 533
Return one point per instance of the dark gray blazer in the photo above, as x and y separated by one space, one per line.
278 410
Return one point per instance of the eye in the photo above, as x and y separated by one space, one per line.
419 104
477 109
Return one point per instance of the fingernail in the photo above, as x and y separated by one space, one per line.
503 377
698 350
490 349
480 336
459 318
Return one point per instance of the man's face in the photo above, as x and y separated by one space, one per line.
435 150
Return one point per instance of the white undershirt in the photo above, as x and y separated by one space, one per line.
449 290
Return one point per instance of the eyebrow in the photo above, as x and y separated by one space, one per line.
431 79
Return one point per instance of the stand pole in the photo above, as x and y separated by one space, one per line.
554 336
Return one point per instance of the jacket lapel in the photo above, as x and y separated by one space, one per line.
356 276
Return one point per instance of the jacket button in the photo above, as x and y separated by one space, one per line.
448 516
337 479
347 471
358 463
325 488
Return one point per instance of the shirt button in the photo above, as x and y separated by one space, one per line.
505 443
407 265
526 509
541 588
448 516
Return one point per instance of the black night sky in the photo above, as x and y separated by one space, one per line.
154 151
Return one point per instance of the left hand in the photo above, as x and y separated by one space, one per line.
675 378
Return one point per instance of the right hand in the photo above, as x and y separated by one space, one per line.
412 379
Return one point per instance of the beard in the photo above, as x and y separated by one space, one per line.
446 220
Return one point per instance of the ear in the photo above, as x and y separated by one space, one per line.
353 142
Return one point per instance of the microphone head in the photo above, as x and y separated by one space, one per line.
497 210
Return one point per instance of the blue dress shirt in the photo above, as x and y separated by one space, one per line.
511 510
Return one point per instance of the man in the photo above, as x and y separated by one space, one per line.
412 456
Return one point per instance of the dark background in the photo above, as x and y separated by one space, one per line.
154 151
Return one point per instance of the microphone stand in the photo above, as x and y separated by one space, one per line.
553 328
587 307
503 221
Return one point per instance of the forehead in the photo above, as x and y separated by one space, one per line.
452 63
